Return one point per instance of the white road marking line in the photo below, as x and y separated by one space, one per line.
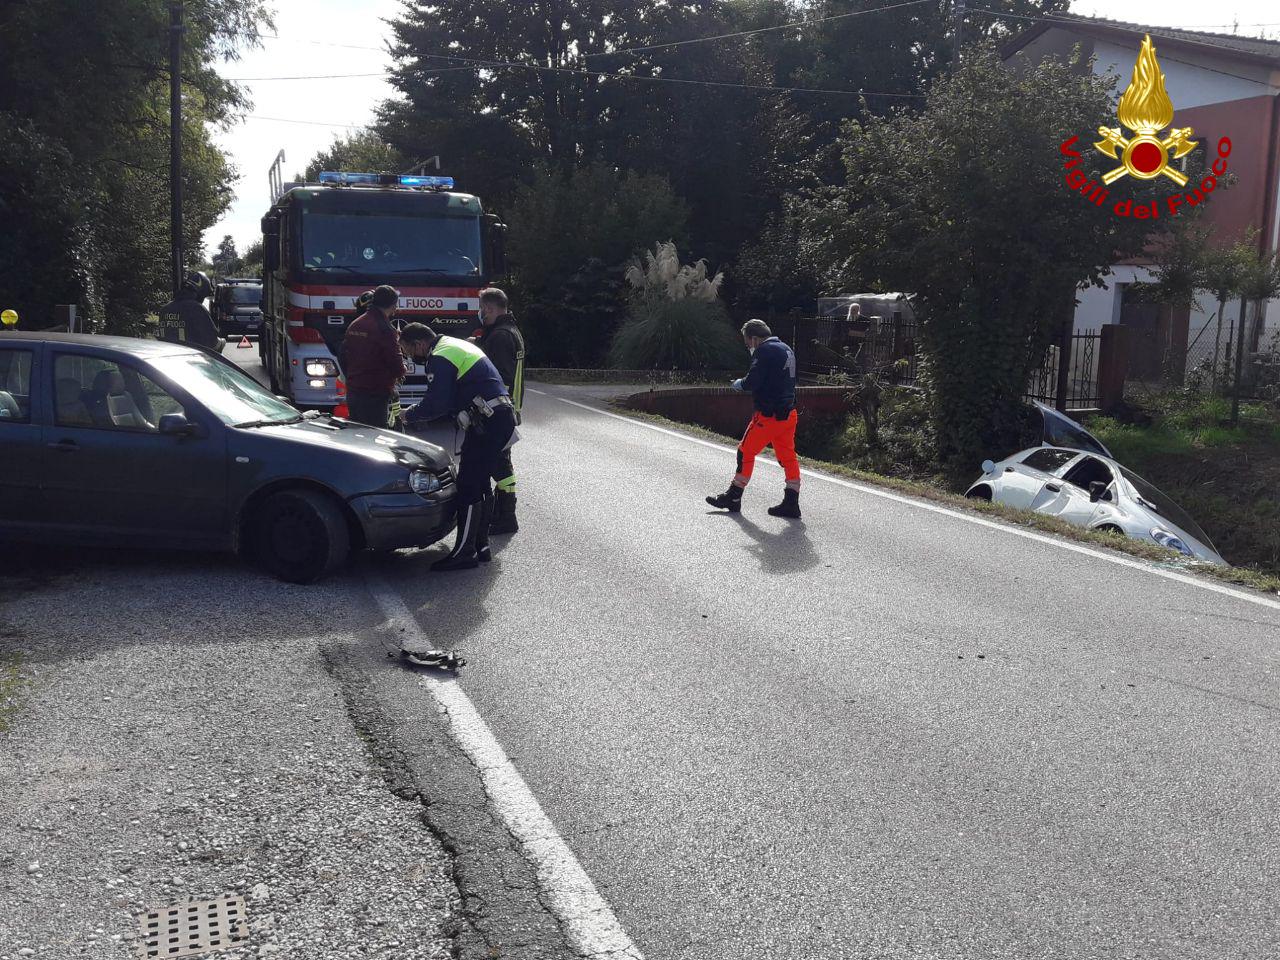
586 917
959 515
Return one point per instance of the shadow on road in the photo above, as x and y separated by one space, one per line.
449 606
788 551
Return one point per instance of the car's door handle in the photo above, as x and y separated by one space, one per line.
65 446
1053 487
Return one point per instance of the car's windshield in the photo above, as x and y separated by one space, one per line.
1060 431
1162 505
381 244
249 295
227 392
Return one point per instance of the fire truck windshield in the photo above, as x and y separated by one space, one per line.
372 246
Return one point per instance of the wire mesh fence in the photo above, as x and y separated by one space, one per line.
1204 358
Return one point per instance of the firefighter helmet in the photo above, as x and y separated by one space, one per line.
362 302
198 282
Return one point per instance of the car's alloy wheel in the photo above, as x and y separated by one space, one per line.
300 535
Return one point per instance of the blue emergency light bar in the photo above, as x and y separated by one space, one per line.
445 183
386 180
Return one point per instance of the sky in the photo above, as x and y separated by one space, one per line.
321 38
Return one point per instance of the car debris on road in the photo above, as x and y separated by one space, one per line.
435 659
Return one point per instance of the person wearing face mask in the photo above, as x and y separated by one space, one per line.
771 381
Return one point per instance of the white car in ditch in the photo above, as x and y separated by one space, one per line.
1092 491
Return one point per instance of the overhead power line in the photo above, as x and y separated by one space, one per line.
336 76
308 123
517 65
321 76
475 63
793 25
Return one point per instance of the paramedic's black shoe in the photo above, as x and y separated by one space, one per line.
789 507
504 514
730 500
463 555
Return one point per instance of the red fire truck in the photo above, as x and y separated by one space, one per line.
326 243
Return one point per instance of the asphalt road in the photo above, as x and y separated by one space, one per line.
881 732
884 732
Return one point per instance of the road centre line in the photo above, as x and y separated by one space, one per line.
585 916
959 515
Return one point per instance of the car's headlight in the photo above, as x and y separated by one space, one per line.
1170 540
424 483
321 368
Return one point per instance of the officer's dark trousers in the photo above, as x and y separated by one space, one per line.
372 409
481 455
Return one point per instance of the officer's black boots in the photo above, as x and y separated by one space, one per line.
789 507
504 514
463 556
730 500
483 523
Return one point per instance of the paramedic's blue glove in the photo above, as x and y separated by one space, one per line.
736 385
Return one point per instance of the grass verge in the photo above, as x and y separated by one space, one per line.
1240 576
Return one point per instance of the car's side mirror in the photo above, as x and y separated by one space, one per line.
988 466
1097 490
176 425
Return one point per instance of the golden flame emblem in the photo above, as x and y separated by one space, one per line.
1145 108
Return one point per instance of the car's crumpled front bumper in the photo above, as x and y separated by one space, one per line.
394 520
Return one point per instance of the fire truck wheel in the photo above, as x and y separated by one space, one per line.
300 535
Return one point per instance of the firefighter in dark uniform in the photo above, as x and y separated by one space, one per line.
463 383
185 319
502 343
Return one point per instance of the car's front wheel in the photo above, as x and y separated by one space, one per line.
300 535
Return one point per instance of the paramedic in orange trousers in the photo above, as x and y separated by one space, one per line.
771 381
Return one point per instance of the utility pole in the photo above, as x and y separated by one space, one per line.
175 139
957 36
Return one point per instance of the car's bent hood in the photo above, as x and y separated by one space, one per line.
342 436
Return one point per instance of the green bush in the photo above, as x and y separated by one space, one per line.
907 446
677 335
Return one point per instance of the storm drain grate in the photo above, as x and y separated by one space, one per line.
186 929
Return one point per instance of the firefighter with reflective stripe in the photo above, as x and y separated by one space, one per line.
184 319
463 383
771 381
502 343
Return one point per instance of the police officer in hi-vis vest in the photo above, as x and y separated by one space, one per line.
463 383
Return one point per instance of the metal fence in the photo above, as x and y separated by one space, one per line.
829 347
1163 356
1082 384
